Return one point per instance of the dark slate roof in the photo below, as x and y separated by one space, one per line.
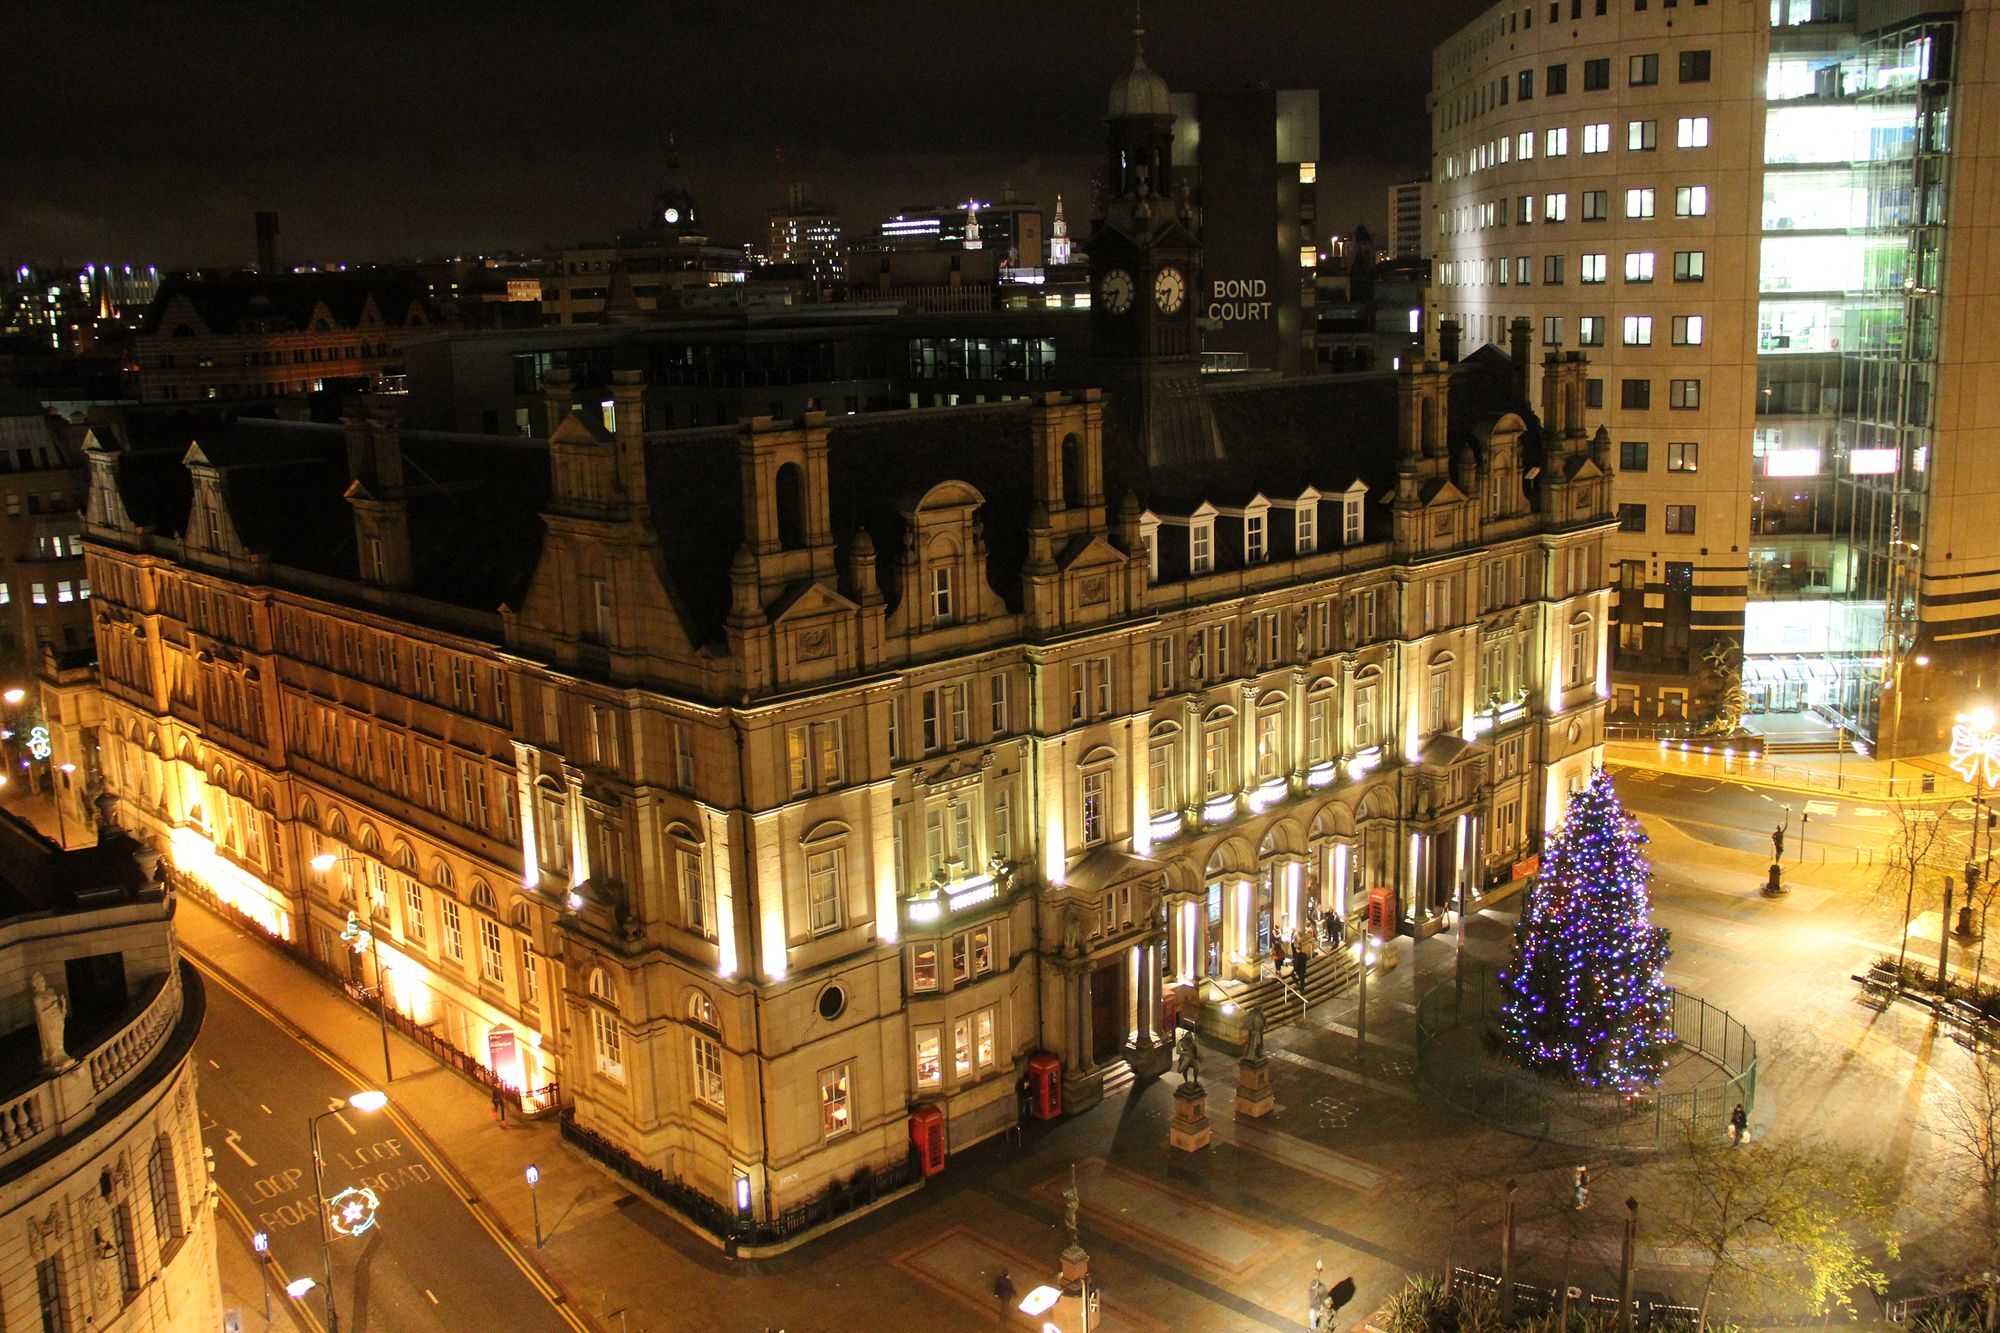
249 303
38 876
693 484
475 501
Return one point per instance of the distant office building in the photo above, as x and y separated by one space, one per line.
109 1224
644 269
44 592
69 309
805 235
1250 158
248 336
1409 206
1011 228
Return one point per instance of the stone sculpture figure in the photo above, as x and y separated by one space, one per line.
51 1012
1187 1060
1253 1036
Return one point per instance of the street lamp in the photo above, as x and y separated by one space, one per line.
322 863
360 1101
534 1175
1368 957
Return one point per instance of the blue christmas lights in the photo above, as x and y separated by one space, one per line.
1586 995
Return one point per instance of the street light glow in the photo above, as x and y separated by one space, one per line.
14 695
372 1100
324 862
1039 1300
299 1286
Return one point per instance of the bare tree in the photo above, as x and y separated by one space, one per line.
1790 1216
1921 852
1969 1126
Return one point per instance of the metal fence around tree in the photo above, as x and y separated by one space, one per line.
1711 1068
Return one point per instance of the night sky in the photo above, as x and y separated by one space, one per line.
389 128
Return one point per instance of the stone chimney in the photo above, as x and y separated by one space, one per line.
1520 334
376 492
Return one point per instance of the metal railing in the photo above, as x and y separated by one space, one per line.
1479 1082
1532 1299
1748 766
864 1188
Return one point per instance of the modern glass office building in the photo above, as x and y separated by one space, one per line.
1813 509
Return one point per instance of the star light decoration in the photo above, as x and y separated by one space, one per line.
1975 748
352 1211
1586 997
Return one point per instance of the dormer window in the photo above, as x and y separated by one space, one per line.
1305 529
941 603
1149 536
1201 545
1256 538
1351 501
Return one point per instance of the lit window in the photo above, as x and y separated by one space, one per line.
1590 330
930 1056
1201 547
1305 528
1641 136
1639 266
454 938
835 1117
1691 132
1096 806
1680 518
1687 330
823 876
1638 203
1638 330
1689 265
1555 143
1592 269
39 593
1691 201
923 967
1597 138
1683 456
1555 207
65 591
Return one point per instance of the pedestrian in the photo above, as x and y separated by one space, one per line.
1313 919
1003 1288
1300 957
1338 925
1277 953
1739 1125
1315 1289
1024 1102
1325 1319
499 1107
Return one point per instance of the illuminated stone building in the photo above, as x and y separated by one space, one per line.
820 771
105 1216
1751 216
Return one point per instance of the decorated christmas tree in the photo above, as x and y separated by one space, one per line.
1586 996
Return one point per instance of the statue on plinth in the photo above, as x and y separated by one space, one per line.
1187 1060
1253 1036
51 1013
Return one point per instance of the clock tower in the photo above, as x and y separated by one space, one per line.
1144 262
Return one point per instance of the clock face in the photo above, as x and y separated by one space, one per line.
673 215
1117 291
1169 290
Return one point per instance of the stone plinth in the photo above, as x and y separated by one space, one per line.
1254 1096
1189 1131
1775 885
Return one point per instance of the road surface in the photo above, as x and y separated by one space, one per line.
427 1262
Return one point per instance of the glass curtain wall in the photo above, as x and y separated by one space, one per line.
1843 400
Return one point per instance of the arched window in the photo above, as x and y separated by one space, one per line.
705 1051
608 1040
791 503
482 898
442 877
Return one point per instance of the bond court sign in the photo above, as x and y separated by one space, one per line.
1238 300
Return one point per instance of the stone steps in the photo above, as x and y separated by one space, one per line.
1327 975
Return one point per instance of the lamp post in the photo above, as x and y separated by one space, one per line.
261 1242
1975 757
360 1101
1368 957
322 863
534 1174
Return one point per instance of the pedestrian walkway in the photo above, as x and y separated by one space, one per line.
1925 778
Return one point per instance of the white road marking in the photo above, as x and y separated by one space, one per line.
265 1109
1822 807
213 1065
229 1141
431 1294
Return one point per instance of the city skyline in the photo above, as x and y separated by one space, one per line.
385 151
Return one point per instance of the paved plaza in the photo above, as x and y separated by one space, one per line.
1360 1166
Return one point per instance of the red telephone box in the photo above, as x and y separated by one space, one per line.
1170 1013
1045 1071
927 1136
1381 913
